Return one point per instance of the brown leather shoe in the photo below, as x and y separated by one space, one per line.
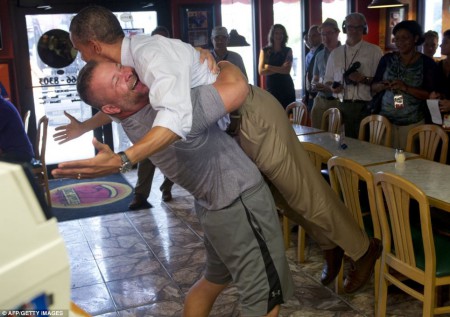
362 269
139 202
333 262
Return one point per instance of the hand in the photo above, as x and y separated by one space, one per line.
69 131
397 85
106 162
434 95
322 87
444 105
206 55
356 77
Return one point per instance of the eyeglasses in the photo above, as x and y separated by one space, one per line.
328 33
402 39
354 27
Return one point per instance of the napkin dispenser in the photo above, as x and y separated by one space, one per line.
34 265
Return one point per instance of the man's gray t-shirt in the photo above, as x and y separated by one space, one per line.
209 163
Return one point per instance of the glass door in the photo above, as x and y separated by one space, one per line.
54 67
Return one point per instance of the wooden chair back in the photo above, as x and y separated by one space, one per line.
429 137
299 112
348 179
331 120
409 247
40 167
26 120
379 128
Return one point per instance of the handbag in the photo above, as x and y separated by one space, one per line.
374 105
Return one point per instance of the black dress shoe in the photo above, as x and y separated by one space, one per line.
166 195
139 202
363 268
332 266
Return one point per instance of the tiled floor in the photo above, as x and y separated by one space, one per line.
142 264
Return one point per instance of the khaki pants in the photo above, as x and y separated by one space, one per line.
320 106
267 137
400 134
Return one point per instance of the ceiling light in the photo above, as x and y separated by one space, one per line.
378 4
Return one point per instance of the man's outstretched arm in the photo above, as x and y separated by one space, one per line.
233 89
75 128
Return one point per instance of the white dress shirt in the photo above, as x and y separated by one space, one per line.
170 68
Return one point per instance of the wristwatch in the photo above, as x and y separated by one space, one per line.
126 163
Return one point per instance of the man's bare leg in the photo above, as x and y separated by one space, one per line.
201 298
274 312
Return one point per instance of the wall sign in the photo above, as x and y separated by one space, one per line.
197 24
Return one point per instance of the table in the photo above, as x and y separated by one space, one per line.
362 152
432 177
303 129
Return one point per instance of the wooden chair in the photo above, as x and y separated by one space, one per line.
331 120
39 167
379 129
299 112
319 156
409 249
430 136
352 182
26 120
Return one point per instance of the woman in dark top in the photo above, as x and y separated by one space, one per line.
407 77
275 62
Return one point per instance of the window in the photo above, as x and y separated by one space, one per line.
433 20
335 9
237 15
54 89
291 9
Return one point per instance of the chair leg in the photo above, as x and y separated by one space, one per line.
301 243
47 189
286 232
382 293
339 281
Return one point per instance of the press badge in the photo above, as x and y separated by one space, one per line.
398 101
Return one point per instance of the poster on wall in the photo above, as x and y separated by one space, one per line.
1 41
197 24
393 17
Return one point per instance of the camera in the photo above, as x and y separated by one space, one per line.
353 68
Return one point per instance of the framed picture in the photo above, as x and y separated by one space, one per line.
393 17
1 41
5 80
197 24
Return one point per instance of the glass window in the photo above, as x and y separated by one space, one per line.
238 16
335 9
291 9
433 20
54 88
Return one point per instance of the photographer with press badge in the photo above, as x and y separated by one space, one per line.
350 70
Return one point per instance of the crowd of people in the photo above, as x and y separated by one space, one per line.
175 106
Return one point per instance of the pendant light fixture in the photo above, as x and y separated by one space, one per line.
378 4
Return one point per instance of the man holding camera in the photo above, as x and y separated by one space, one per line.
349 72
324 100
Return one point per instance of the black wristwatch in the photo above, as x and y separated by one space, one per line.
126 163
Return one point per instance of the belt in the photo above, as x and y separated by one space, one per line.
355 101
328 98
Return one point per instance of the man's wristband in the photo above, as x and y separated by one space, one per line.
126 163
